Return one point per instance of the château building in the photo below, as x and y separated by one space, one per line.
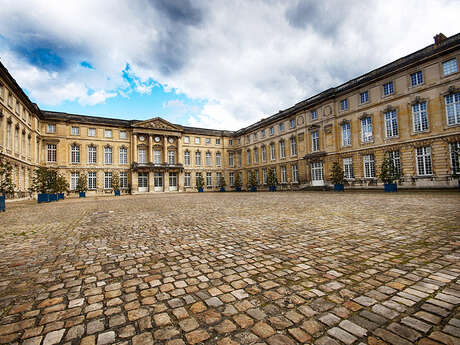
408 109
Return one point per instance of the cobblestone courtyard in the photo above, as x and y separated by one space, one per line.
233 268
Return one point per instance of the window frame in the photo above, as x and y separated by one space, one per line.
391 124
454 59
108 155
369 171
92 154
390 87
420 117
423 159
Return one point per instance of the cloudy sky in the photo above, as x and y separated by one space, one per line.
216 64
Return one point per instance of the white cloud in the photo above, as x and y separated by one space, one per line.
249 59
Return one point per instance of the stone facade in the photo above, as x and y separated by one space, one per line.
409 109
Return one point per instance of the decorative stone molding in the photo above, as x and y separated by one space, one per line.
328 128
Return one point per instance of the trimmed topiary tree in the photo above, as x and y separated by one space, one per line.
116 183
252 181
238 182
222 183
389 173
82 185
200 183
6 182
272 181
337 177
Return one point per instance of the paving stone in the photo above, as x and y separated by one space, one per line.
390 337
197 336
340 334
416 324
353 328
404 331
106 338
143 339
263 330
280 339
54 337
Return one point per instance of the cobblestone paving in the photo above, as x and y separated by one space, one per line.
233 268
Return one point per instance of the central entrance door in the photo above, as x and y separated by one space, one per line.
143 182
317 176
172 181
158 181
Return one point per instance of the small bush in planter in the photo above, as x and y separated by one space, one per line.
44 183
116 184
272 181
61 186
337 177
238 183
6 182
389 173
200 183
253 182
82 185
222 183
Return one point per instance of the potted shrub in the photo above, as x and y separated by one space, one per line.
238 183
253 182
337 177
82 186
62 186
116 184
272 181
200 183
389 174
6 182
51 182
222 184
41 184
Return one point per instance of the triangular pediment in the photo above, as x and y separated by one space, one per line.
158 123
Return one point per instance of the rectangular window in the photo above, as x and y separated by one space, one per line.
248 155
420 117
369 166
8 135
107 155
172 157
231 162
272 130
391 124
16 139
262 133
91 132
187 158
51 128
198 158
157 156
283 174
346 134
92 181
123 180
197 140
73 180
454 149
293 146
314 114
348 168
281 126
75 154
107 180
264 176
248 139
388 88
208 180
208 159
108 133
416 78
122 134
256 156
51 153
172 179
453 108
423 156
364 97
123 155
344 104
217 141
218 159
208 141
255 136
395 158
295 173
366 129
315 141
272 151
92 154
158 179
450 66
230 142
218 177
317 173
231 178
186 140
75 130
197 177
264 153
142 156
292 123
239 158
187 180
282 150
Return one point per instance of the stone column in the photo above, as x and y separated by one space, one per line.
165 149
135 158
150 150
134 187
166 181
151 181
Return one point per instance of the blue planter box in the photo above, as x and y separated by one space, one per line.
60 196
200 190
117 193
238 189
43 198
2 203
390 187
222 189
253 189
53 197
272 188
339 187
82 194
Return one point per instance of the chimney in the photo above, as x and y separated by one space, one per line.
439 38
